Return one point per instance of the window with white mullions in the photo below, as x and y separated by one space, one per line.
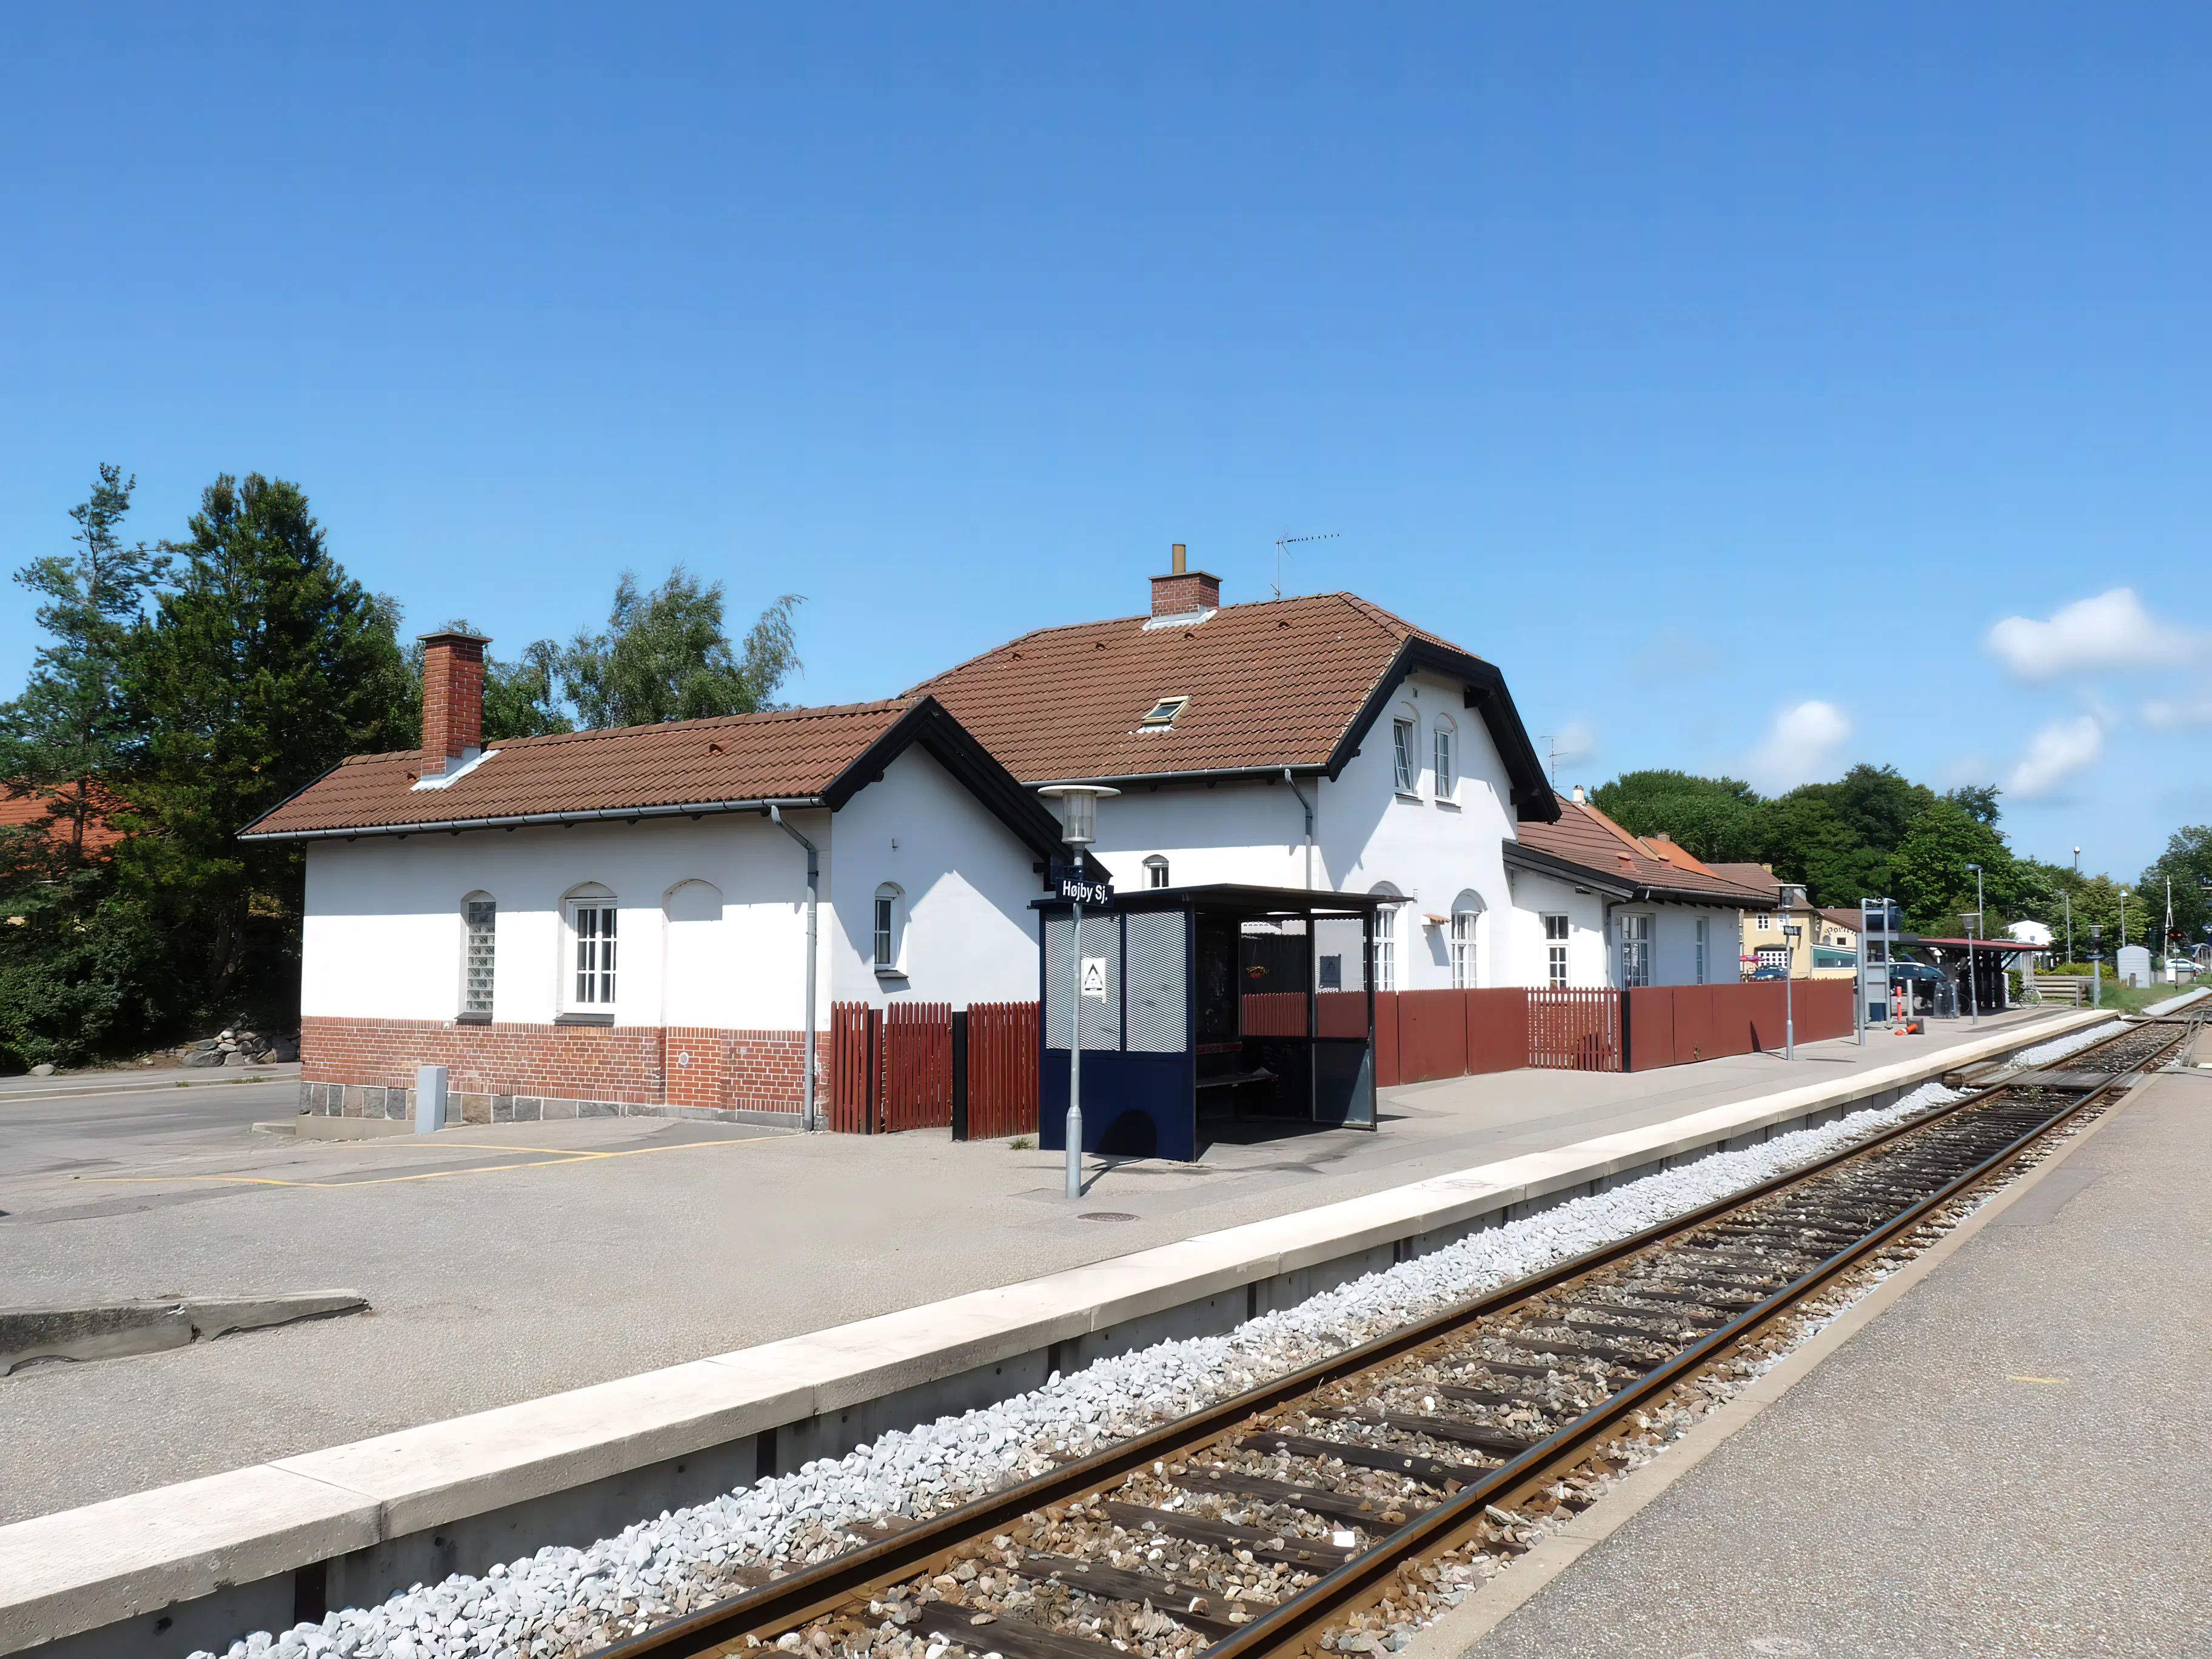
593 923
1155 871
1467 914
887 941
1555 951
1401 752
1635 952
1447 774
480 919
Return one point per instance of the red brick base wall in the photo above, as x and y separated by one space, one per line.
634 1068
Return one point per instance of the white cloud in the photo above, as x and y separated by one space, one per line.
1576 740
2172 712
2113 630
1799 746
2054 755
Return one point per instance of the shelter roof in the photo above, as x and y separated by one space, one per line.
786 758
1291 683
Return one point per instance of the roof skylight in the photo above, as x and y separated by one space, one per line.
1163 712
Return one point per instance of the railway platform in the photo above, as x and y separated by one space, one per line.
2007 1459
512 1262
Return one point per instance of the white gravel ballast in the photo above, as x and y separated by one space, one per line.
564 1601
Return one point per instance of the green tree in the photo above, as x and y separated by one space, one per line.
519 697
264 664
2187 863
1933 882
71 729
1805 838
1715 818
1977 800
666 656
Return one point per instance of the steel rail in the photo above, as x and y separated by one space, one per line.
1341 1591
812 1591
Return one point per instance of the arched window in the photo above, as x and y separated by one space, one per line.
1446 757
889 923
1405 750
1465 917
1386 937
590 913
479 942
1155 871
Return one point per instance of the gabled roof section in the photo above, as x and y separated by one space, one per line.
1284 683
738 763
1584 845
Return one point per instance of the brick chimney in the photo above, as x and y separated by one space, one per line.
452 699
1182 591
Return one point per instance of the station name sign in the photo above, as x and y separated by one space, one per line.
1080 889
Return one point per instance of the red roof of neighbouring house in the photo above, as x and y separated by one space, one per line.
1585 839
51 808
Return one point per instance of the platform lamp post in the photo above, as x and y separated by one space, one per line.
2096 965
1973 994
1078 827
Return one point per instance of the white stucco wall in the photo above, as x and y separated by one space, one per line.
966 882
383 931
1535 896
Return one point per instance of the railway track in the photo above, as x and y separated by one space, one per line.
1261 1525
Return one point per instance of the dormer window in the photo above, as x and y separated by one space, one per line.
1163 712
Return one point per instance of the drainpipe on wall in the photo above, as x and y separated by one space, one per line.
1308 805
807 1118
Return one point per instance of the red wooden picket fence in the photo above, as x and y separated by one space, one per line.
894 1068
891 1068
1002 1070
1574 1030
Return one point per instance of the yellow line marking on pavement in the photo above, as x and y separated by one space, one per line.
434 1175
2054 1382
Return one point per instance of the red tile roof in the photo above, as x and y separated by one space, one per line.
1281 682
1587 839
49 808
789 756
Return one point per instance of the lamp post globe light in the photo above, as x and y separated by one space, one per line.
1078 827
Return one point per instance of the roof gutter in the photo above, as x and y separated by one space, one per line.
517 820
1215 774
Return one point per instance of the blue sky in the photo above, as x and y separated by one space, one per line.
1764 393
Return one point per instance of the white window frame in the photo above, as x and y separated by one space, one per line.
1704 937
1559 929
591 973
1466 961
470 922
1445 760
1405 766
1155 871
1386 941
1636 932
887 932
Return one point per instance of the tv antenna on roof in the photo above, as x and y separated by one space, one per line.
1284 543
1551 748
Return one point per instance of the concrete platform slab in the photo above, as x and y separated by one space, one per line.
2008 1461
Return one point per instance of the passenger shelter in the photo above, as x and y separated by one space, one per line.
1202 1003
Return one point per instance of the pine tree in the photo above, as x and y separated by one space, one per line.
265 666
71 733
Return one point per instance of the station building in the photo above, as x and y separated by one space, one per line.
619 920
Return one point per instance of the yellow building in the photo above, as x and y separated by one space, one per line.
1827 942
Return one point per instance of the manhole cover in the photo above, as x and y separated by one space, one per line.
1104 1215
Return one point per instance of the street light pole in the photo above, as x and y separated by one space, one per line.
1079 819
1973 995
